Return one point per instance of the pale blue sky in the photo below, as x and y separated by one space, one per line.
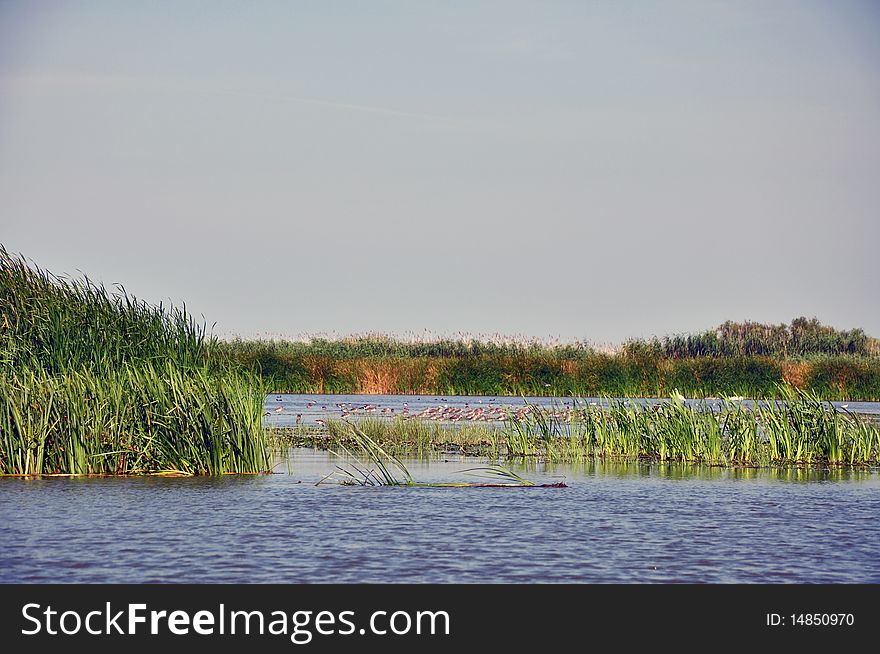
583 170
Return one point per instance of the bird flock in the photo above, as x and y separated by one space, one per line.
444 412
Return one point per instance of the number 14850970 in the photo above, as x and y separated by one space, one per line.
811 620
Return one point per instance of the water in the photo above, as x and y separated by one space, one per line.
614 523
311 408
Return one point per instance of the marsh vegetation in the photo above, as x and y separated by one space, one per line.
370 464
748 359
797 430
94 382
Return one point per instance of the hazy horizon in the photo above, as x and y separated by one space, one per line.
574 171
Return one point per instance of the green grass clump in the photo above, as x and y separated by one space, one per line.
133 420
55 324
799 429
378 467
96 382
419 437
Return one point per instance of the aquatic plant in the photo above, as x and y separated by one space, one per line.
412 436
53 323
383 469
380 468
497 473
799 429
131 420
96 382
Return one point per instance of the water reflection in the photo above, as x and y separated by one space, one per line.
598 467
298 460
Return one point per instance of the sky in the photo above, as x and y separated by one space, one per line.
560 170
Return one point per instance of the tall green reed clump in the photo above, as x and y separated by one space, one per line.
136 420
55 324
803 428
799 429
93 382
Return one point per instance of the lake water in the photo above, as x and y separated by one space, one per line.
282 410
613 523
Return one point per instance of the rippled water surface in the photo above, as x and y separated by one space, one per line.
614 523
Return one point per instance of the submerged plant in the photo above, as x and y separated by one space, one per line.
497 472
379 468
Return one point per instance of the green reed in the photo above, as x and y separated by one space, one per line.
134 420
798 429
54 324
416 437
379 467
96 382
